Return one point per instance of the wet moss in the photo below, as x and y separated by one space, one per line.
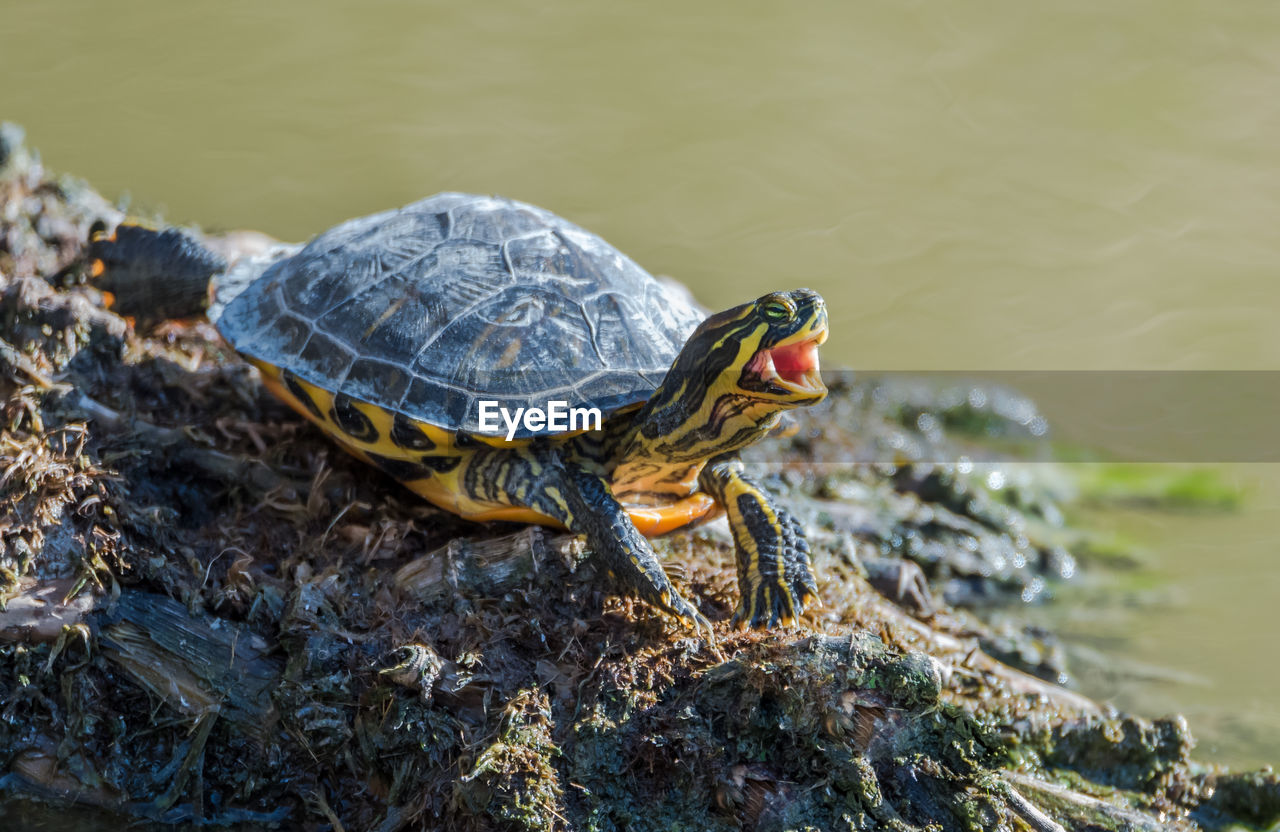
513 780
1252 797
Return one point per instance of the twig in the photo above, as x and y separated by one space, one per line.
1031 813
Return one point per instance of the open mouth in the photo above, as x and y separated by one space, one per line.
793 366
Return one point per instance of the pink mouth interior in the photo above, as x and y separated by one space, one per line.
794 361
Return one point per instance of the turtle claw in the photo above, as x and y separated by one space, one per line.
674 604
708 633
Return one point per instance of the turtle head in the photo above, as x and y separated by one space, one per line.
765 351
785 329
737 373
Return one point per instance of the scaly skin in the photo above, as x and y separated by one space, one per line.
775 580
583 502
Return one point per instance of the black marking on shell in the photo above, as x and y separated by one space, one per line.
400 469
300 393
350 420
406 434
441 464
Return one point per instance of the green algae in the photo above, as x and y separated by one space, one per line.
1153 485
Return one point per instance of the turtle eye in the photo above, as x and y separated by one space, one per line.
778 309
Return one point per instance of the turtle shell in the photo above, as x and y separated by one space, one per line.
430 309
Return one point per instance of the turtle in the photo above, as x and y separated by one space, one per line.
393 332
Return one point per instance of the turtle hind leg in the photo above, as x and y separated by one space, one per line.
582 501
153 275
775 580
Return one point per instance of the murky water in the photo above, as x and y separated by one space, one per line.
1191 626
1059 185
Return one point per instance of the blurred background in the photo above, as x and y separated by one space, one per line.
1079 185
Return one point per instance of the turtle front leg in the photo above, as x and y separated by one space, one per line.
583 502
775 581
